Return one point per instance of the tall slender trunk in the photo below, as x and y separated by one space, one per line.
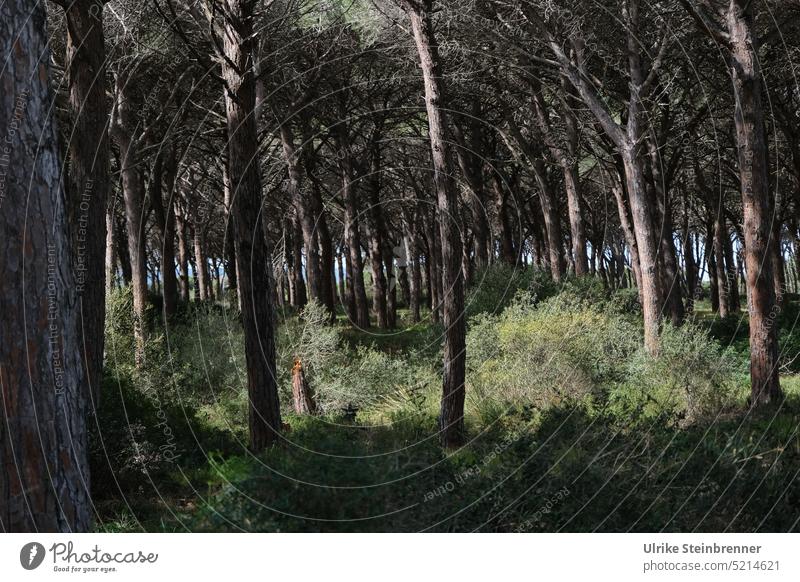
451 419
731 273
133 190
183 253
228 245
201 263
111 248
252 255
44 479
300 289
690 264
376 234
341 278
719 267
356 289
507 252
757 201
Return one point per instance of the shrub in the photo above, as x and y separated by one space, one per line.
365 377
561 350
496 286
692 377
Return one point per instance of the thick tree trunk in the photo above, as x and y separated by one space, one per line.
552 220
44 480
451 419
566 156
757 201
252 255
121 245
303 205
327 266
168 235
89 181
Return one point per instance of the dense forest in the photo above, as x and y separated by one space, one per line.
400 265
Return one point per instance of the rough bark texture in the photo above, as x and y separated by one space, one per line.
44 480
451 419
757 202
252 255
88 176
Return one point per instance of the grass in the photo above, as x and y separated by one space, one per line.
574 462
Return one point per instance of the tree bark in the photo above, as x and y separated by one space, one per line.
451 419
123 127
44 481
757 202
89 181
252 255
355 281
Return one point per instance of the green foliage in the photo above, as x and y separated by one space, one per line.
571 426
562 350
691 378
495 287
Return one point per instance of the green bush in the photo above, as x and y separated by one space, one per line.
556 352
495 287
692 377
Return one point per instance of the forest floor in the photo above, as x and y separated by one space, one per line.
570 427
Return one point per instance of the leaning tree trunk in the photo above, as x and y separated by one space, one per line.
44 481
88 175
451 419
757 202
252 256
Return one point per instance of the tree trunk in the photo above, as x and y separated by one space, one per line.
183 254
691 266
252 255
302 395
356 289
228 245
451 419
111 248
133 190
44 481
507 252
300 295
757 202
732 279
88 176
